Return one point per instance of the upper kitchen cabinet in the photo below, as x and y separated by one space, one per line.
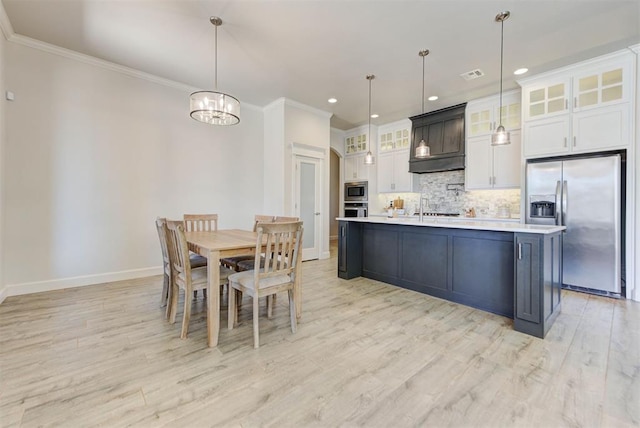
579 109
493 167
393 161
395 136
443 131
487 166
355 169
357 144
483 116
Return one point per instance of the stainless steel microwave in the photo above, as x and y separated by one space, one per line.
356 191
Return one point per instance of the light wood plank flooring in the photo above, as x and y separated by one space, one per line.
365 354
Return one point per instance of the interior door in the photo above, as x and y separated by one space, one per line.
308 192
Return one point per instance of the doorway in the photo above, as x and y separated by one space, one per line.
308 204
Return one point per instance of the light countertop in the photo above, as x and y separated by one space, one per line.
460 223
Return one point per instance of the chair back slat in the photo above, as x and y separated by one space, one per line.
161 226
179 250
282 243
200 222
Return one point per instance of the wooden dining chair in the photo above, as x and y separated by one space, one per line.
200 222
195 261
249 263
279 244
232 261
184 277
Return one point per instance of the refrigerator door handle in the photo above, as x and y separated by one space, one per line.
558 202
565 203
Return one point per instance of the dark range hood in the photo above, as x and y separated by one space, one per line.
443 131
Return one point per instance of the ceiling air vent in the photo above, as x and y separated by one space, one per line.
473 74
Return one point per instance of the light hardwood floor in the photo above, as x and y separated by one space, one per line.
365 354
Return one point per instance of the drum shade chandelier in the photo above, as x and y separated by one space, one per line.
213 107
422 149
501 136
369 159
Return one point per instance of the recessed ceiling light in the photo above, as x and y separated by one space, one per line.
375 116
332 100
520 71
433 98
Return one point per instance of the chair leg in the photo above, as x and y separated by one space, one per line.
238 294
164 298
204 294
232 308
173 305
195 294
292 311
256 329
186 316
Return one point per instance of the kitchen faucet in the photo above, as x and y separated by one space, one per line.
423 199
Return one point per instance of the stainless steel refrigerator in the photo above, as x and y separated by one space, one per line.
584 195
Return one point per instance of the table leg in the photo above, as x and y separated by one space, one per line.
213 297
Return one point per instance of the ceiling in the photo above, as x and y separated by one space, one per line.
311 50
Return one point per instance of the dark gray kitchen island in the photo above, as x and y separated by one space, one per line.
510 269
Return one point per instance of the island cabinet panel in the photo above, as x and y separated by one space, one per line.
425 261
349 249
380 253
472 283
538 282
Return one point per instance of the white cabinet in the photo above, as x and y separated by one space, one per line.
483 116
356 143
393 172
579 109
493 167
487 166
355 168
395 138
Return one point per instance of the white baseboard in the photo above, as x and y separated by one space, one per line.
77 281
324 255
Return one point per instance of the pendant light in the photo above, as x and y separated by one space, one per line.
213 107
422 150
501 136
369 159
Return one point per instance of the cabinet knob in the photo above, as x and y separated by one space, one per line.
574 141
565 141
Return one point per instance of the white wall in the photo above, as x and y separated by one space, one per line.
287 122
310 127
273 179
92 156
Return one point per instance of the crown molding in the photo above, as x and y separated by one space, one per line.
290 103
107 65
635 48
5 24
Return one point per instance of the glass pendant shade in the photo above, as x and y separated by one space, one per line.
422 151
369 159
500 137
215 108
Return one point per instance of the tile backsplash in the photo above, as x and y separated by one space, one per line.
445 193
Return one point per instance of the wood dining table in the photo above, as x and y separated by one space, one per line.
225 243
